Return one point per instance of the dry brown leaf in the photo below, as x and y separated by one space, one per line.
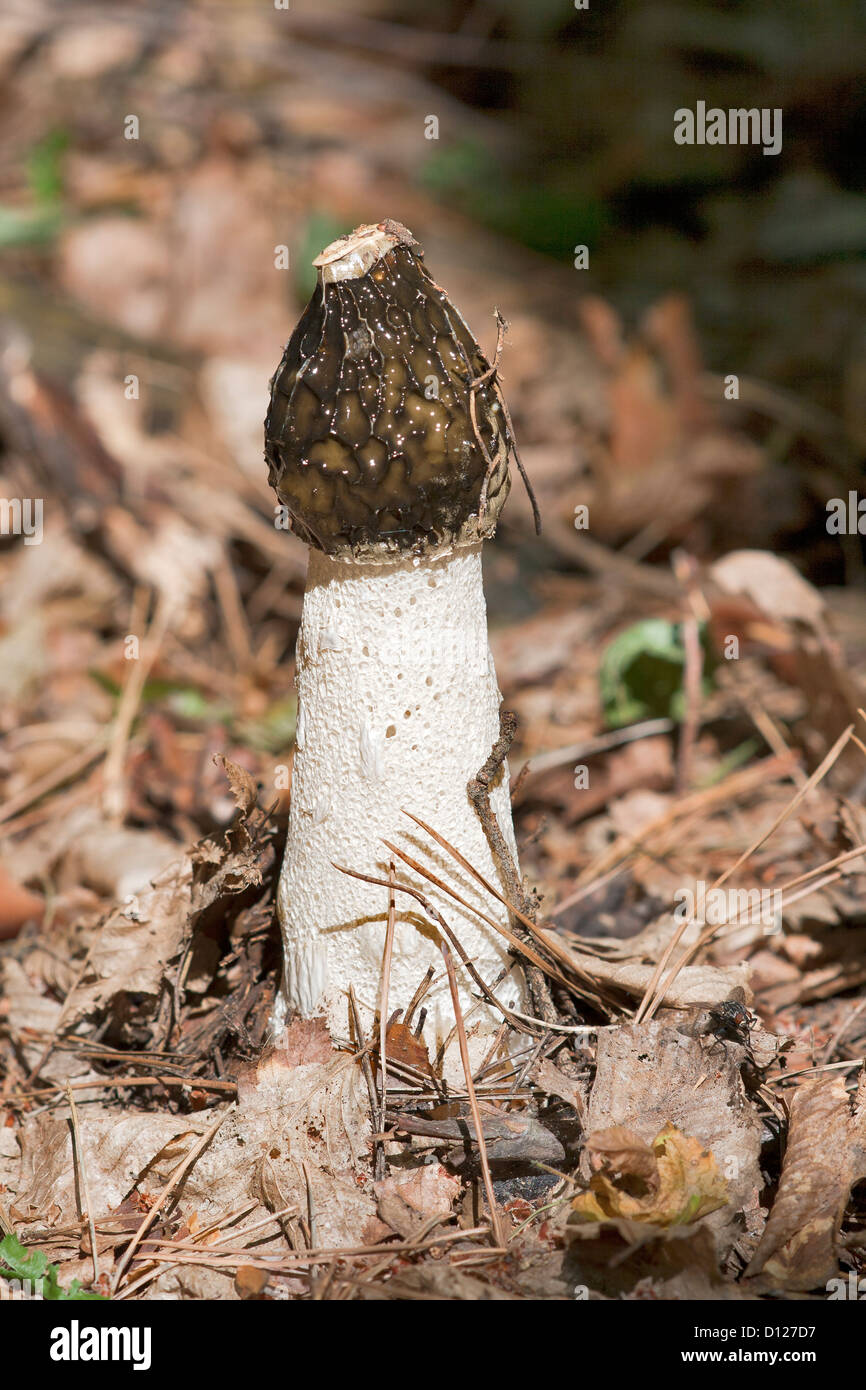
556 1083
10 1161
619 1150
189 1282
823 1158
694 984
306 1040
250 1281
118 861
398 1215
121 1150
651 1075
426 1191
140 943
27 1009
17 905
299 1137
93 51
402 1046
791 618
294 1124
680 1180
135 947
242 784
772 584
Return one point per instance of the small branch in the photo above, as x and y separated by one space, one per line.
479 795
512 439
192 1083
423 987
686 572
475 384
85 1187
377 1114
495 1226
312 1224
232 609
383 1011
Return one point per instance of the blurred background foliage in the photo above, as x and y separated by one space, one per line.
149 284
577 148
770 248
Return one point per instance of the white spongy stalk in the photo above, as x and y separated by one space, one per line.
398 708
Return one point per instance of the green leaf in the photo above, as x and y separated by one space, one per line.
320 229
547 213
189 703
106 682
274 730
185 701
41 222
28 227
20 1263
737 757
44 166
641 673
76 1294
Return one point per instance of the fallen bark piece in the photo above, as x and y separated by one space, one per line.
510 1138
825 1156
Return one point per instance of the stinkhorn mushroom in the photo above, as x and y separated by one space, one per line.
388 444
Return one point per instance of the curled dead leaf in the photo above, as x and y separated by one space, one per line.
556 1083
825 1155
620 1151
685 1186
242 783
402 1046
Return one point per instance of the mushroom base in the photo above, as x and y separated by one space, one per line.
398 709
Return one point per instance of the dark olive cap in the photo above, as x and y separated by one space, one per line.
369 437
